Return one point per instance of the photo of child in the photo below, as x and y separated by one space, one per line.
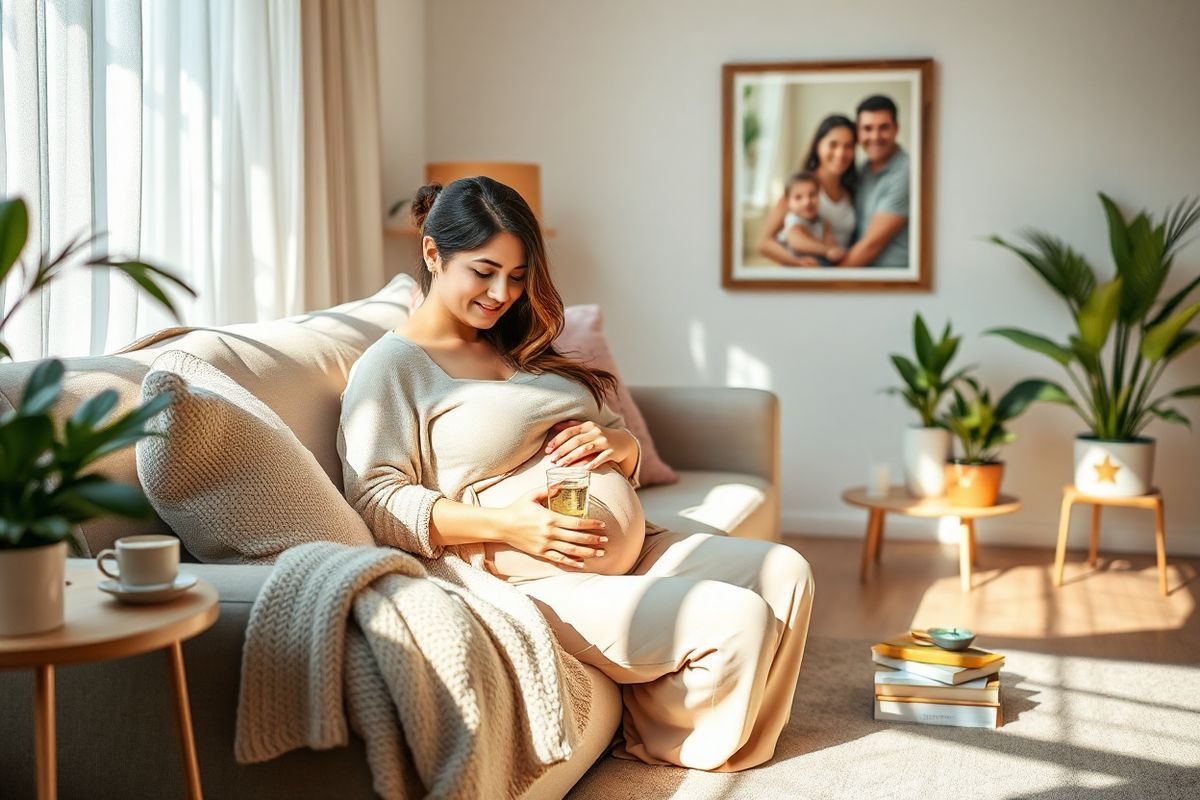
804 232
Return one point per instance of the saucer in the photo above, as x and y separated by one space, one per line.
142 595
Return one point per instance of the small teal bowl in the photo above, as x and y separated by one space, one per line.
951 638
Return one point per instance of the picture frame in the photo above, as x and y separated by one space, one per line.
827 175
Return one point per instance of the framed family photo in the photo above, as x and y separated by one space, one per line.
827 169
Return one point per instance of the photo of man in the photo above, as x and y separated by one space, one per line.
882 198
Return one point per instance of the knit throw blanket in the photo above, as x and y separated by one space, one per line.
436 664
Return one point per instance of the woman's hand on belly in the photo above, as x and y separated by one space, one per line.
586 444
530 527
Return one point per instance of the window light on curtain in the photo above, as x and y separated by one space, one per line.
179 128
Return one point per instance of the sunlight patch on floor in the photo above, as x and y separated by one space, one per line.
1114 598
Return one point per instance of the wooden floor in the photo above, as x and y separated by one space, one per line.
1112 611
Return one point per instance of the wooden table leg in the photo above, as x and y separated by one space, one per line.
974 550
43 731
966 533
183 721
874 521
878 546
1064 526
1094 548
1160 541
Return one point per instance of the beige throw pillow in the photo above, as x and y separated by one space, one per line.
228 476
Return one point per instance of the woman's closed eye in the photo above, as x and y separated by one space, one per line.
513 278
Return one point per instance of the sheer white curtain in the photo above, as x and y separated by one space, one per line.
179 128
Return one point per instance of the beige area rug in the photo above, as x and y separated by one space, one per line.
1075 727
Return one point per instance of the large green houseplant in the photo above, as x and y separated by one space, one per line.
46 483
1125 338
925 385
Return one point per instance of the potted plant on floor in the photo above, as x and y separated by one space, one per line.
974 478
45 489
1123 343
926 446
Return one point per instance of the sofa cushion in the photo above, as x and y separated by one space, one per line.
228 476
297 366
732 503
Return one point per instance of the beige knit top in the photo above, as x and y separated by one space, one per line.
410 434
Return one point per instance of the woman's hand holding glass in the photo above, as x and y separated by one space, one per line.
532 528
587 444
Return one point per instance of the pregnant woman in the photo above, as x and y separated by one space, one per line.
448 426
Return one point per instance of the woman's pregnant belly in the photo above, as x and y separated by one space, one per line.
611 499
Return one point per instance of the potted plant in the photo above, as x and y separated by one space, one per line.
45 489
1124 340
926 446
974 478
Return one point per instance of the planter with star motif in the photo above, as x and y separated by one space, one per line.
1114 468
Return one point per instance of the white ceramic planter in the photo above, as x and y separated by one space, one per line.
32 580
1107 468
926 451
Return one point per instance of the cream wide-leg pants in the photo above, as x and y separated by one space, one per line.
705 634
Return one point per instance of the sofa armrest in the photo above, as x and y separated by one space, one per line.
713 427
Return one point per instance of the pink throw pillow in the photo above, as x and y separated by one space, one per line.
583 338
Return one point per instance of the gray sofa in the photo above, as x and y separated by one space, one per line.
115 729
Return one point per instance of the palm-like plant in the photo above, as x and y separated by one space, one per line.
925 383
43 492
1115 384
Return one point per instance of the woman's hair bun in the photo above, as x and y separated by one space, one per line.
419 208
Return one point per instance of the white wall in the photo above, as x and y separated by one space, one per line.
1039 105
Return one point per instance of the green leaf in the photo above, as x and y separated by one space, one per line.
1174 302
923 343
1185 341
1067 272
150 278
23 440
908 371
1098 314
110 497
14 230
52 528
42 388
1118 233
4 351
1018 398
1187 391
1158 340
1170 415
93 410
1034 342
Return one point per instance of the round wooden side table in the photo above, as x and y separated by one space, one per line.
899 501
100 628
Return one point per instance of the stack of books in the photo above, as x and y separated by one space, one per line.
917 682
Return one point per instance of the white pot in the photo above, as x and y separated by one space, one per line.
32 580
1108 468
926 451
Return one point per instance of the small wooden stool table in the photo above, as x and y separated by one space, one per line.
1152 501
100 628
899 501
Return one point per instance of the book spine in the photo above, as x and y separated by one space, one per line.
927 655
959 716
950 694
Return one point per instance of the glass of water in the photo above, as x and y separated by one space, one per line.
571 497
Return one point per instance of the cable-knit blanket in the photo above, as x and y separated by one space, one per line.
433 655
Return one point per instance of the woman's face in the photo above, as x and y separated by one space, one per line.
478 286
835 151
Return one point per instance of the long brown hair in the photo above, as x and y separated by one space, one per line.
466 215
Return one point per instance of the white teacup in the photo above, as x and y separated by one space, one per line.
150 560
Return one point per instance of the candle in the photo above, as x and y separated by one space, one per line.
881 480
